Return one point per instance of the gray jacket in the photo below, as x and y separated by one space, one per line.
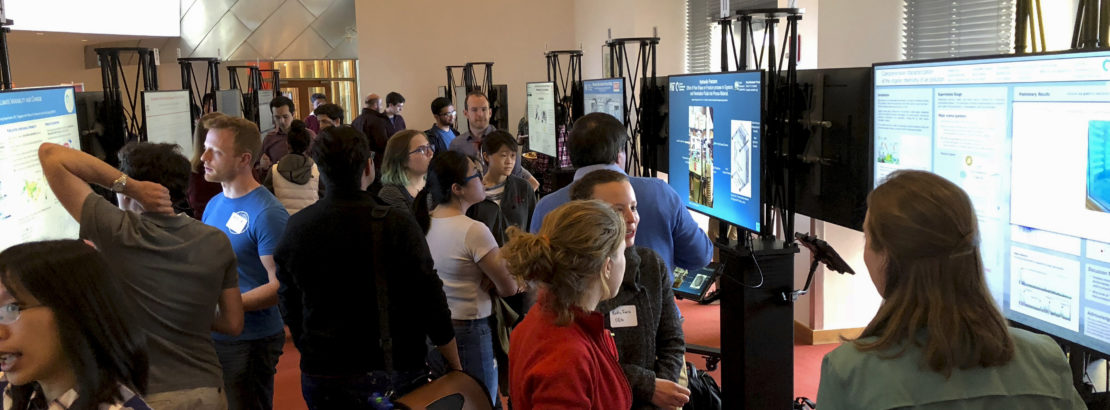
655 347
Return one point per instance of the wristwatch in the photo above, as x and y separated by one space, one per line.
119 184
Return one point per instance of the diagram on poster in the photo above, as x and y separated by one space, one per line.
741 158
541 118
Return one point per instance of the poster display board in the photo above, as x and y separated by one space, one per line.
168 119
28 209
229 102
265 117
541 118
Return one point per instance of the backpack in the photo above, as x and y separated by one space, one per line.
704 392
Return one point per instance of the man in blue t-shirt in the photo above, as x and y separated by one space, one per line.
597 142
254 220
443 131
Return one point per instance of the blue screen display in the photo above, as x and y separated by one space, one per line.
605 95
1027 138
714 144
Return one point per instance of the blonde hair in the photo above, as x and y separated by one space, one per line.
199 135
568 253
247 137
926 227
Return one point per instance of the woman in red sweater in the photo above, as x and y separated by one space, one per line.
561 355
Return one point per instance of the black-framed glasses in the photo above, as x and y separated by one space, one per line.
427 149
447 113
9 313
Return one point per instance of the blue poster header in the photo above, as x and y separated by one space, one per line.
606 86
35 104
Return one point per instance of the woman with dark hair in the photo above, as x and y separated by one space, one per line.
938 339
66 338
404 167
295 179
466 258
200 190
561 354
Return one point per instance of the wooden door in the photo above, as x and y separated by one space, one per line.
301 90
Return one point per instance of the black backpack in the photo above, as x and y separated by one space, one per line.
704 392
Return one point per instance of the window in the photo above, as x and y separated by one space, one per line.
703 34
956 28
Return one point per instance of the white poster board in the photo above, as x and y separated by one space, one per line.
167 118
229 102
265 118
541 118
461 122
28 209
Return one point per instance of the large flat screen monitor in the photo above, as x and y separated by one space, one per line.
605 95
28 209
714 144
1027 138
541 118
833 178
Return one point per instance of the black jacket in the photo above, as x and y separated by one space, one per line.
328 294
375 126
517 204
433 137
655 348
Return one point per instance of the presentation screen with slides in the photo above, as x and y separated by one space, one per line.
1028 139
28 209
605 95
714 144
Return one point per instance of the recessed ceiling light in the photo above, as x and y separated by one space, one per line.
84 41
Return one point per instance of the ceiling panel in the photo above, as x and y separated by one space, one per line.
224 38
308 46
253 12
317 7
201 18
283 27
336 25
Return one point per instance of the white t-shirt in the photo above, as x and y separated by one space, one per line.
457 244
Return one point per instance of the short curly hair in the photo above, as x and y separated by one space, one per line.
160 163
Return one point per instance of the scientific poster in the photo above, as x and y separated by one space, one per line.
541 118
168 119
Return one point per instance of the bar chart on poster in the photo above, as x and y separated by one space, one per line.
28 209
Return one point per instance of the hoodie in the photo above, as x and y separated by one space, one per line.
295 181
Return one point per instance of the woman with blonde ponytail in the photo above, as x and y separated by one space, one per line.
561 355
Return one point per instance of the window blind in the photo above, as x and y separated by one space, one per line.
703 33
957 28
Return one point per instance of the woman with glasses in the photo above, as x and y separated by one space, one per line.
404 167
938 340
66 338
466 258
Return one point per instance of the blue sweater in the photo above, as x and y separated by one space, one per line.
665 225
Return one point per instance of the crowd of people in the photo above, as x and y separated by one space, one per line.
394 256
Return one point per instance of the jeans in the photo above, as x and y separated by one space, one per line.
475 343
249 367
355 392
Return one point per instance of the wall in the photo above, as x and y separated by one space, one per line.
631 18
404 46
858 33
55 58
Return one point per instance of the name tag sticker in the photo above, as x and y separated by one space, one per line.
623 316
237 223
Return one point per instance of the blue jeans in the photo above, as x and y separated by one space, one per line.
475 344
249 367
355 392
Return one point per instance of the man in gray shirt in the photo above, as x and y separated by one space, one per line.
477 111
180 273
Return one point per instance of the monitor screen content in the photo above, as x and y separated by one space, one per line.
28 209
714 144
541 118
694 284
605 95
1027 138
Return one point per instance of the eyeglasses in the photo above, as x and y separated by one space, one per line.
9 313
424 150
477 174
449 113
